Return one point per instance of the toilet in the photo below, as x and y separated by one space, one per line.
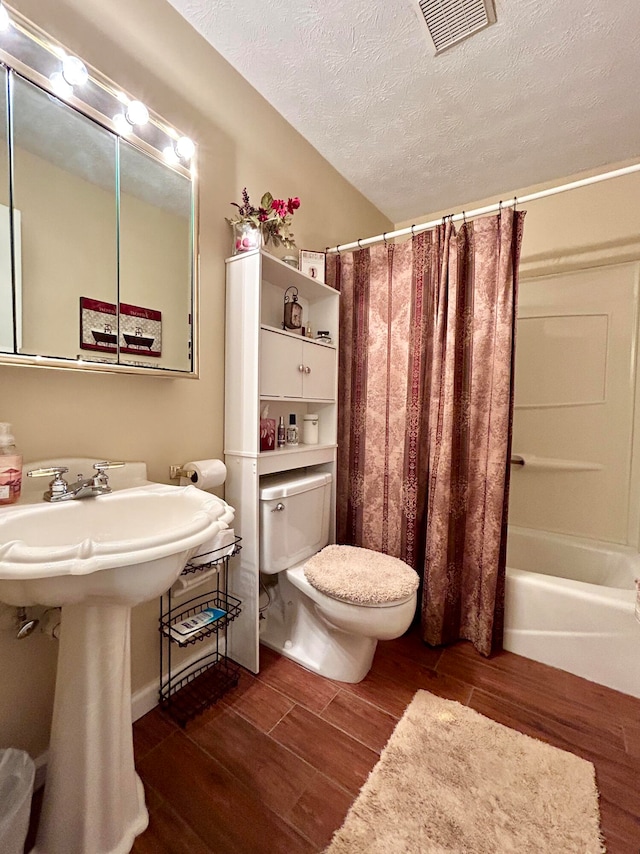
324 606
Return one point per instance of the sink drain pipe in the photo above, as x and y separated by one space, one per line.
24 625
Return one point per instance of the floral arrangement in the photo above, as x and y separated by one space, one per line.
273 217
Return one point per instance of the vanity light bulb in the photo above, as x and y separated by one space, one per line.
170 155
185 148
137 113
121 124
60 86
74 71
5 21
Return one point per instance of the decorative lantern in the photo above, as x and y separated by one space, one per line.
292 309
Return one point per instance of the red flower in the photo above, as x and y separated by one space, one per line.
279 206
293 204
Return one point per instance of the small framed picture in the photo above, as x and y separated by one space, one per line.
312 263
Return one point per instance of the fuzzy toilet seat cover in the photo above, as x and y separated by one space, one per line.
360 576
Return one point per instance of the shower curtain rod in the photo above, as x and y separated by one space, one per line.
424 226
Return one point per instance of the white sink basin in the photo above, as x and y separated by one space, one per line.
128 546
97 557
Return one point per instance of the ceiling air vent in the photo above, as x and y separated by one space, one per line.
450 21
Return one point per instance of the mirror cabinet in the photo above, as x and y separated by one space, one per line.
97 218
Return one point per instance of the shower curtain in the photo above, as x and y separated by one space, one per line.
425 411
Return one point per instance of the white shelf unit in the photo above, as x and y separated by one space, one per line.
265 365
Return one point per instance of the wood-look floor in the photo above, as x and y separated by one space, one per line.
275 765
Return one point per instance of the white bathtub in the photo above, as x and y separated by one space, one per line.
570 604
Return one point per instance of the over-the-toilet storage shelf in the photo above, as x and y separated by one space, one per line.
262 367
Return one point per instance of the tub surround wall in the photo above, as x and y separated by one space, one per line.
151 51
574 403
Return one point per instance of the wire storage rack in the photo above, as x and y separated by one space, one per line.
206 615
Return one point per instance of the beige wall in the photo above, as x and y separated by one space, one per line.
585 227
149 50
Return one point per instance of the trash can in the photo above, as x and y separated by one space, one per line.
16 787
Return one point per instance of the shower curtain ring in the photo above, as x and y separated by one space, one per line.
464 217
515 202
384 238
413 234
359 246
500 206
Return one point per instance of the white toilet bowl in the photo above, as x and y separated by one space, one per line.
331 632
338 639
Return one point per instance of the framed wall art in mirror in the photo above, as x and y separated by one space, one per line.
97 211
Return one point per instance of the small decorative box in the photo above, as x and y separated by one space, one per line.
267 434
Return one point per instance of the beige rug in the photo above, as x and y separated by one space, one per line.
451 780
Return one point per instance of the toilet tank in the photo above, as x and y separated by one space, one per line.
295 512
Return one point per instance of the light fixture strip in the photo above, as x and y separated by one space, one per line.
57 50
43 82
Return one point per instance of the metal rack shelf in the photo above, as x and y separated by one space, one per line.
224 601
200 683
192 692
213 558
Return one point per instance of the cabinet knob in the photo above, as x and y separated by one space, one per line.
278 508
301 368
307 370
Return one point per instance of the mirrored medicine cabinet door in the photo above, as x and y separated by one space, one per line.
96 242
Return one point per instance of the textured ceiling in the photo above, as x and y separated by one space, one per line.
548 91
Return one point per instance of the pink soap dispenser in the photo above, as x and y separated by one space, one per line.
10 467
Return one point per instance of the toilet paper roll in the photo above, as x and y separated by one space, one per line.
206 473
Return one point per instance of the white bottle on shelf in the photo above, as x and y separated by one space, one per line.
310 429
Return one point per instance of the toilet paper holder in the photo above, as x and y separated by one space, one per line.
176 472
203 474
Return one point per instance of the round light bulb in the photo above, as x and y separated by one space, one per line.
5 20
137 113
121 124
170 155
185 148
60 86
74 71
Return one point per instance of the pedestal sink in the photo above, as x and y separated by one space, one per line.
97 558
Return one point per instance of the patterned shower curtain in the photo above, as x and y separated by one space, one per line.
425 411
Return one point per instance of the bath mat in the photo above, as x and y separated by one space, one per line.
451 780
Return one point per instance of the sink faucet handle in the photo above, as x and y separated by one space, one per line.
100 479
58 486
106 464
54 471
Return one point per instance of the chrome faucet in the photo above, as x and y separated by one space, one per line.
60 490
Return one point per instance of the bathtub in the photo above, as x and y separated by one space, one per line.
570 603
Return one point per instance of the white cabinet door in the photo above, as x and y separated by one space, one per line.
319 362
295 368
281 368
